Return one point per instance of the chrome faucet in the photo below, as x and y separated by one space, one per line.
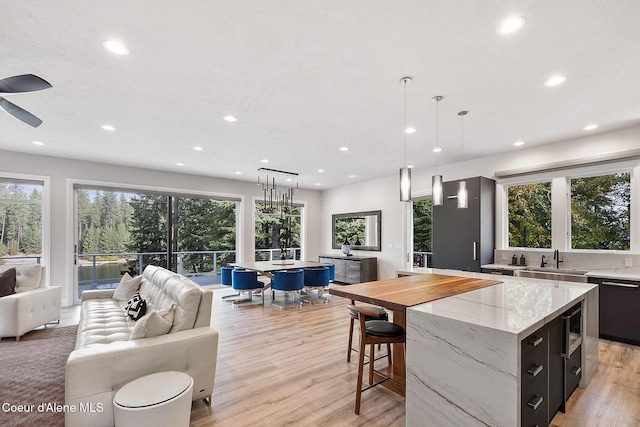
544 261
556 257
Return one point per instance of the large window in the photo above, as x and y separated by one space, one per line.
277 232
600 211
21 221
125 231
422 235
530 215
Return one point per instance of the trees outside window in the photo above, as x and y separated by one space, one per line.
21 220
422 232
530 215
600 212
277 229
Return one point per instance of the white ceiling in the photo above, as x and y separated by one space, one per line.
305 77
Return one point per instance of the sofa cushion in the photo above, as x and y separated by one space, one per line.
153 324
102 321
127 287
137 309
8 282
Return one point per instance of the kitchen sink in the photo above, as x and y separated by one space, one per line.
557 270
555 274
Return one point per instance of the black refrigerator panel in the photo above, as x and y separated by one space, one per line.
463 238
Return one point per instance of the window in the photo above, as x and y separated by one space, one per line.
600 212
277 232
530 215
422 236
121 231
21 220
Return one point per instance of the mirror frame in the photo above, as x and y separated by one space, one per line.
377 214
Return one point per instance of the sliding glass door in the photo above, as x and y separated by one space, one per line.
124 231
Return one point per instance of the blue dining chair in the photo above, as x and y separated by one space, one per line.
289 282
225 280
315 279
246 281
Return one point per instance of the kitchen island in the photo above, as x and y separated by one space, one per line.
466 355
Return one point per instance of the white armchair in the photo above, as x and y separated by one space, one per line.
34 304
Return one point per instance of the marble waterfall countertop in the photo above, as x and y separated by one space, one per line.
518 305
464 354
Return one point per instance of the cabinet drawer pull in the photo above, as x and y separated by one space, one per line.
535 402
535 370
576 370
534 341
620 285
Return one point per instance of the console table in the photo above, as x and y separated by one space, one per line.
352 269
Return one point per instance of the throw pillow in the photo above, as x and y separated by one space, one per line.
135 298
127 287
8 282
137 309
153 324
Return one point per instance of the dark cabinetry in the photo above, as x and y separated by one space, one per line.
498 271
619 309
352 269
551 367
463 239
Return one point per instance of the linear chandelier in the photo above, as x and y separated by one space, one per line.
278 188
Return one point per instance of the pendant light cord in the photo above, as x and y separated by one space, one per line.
462 114
437 134
405 123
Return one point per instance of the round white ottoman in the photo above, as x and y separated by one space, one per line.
160 399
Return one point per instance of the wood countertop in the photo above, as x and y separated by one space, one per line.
402 292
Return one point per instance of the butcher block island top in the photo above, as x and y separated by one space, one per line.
407 291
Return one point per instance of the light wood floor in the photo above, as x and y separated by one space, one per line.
288 368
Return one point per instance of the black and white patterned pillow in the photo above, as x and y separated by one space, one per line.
135 298
137 309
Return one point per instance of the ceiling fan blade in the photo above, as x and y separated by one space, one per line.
20 113
23 83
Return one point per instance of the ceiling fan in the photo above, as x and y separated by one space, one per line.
19 84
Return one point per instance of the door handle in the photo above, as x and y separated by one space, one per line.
534 371
475 255
535 402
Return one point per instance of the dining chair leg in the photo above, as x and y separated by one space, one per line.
360 374
350 341
389 353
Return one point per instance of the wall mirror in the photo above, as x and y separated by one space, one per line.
361 230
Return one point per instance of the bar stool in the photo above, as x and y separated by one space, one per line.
381 315
373 332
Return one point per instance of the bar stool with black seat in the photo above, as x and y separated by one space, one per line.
373 332
381 314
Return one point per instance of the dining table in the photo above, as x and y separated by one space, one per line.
267 268
397 294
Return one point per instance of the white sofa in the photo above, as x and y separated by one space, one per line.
105 359
34 304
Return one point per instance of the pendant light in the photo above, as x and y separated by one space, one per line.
436 180
463 196
405 172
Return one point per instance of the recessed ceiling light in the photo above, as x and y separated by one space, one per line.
410 130
437 150
591 127
264 161
108 127
518 143
179 164
351 176
410 166
116 47
198 148
321 170
555 80
511 25
38 143
344 148
238 173
230 118
317 183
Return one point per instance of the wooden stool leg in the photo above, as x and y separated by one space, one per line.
360 374
389 353
350 341
372 359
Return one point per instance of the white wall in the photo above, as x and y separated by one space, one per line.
63 173
384 193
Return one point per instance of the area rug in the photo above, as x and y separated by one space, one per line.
32 377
